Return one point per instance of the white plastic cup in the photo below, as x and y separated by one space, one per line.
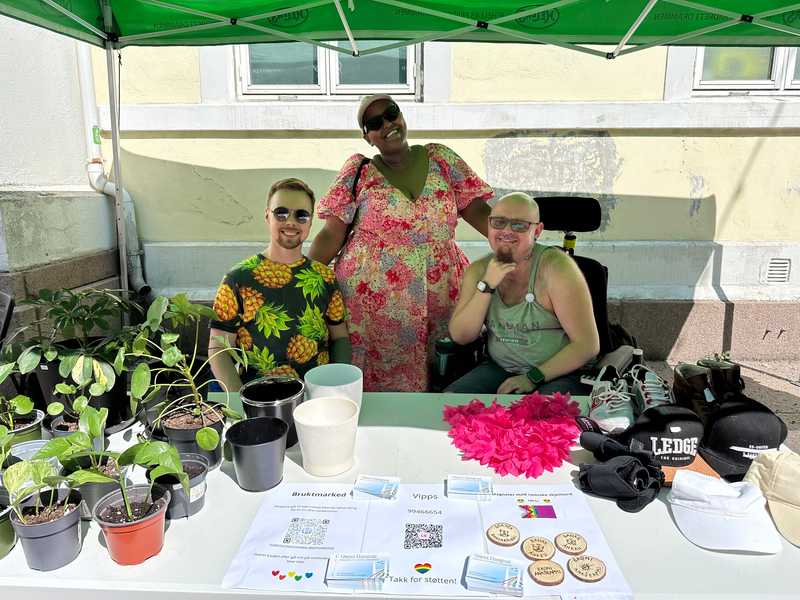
335 379
326 428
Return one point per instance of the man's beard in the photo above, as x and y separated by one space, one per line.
504 255
287 243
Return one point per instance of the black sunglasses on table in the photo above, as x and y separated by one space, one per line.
517 225
375 122
301 215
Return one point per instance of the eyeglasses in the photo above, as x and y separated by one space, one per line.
301 215
517 225
376 122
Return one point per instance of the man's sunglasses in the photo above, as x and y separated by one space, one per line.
376 122
517 225
301 215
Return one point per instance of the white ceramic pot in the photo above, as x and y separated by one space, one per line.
326 428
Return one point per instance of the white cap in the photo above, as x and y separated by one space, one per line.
718 515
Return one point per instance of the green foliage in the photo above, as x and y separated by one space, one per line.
10 408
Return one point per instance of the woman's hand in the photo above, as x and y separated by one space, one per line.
496 271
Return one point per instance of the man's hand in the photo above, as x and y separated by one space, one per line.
496 271
519 384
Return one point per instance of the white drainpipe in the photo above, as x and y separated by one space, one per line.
97 176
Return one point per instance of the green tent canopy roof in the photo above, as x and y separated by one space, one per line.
627 25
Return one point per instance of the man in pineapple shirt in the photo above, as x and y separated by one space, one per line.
283 309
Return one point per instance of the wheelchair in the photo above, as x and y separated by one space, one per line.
570 215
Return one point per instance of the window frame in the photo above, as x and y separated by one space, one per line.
328 89
779 83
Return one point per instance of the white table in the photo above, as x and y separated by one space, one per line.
396 432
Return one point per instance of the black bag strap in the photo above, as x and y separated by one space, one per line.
364 161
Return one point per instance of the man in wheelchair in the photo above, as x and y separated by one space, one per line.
535 304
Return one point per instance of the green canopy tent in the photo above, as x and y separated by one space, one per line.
625 25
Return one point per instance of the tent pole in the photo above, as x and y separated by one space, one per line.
113 100
634 27
75 18
346 26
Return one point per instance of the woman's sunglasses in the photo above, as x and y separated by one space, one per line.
376 122
301 215
517 225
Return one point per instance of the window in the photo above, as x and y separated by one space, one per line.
300 69
747 70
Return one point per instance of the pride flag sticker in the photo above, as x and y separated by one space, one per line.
422 567
530 511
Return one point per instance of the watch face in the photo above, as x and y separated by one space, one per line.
482 286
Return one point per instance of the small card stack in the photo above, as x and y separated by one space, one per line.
371 487
357 571
469 487
493 575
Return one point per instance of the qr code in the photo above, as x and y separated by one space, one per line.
423 535
306 532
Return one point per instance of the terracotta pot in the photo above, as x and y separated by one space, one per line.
133 543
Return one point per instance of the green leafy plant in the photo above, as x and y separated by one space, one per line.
6 438
65 334
29 478
16 406
178 373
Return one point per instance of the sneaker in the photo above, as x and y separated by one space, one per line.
692 389
648 389
611 409
725 377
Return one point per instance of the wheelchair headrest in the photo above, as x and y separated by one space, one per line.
569 213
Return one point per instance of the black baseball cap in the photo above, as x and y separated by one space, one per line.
736 432
672 433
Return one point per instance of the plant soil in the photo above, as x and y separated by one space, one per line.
110 468
46 514
117 514
67 426
20 422
186 420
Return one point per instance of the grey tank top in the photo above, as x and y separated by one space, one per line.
525 334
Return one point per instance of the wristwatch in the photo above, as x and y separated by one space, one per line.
485 288
535 376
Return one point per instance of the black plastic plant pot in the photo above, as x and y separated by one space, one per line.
258 447
58 428
91 492
51 545
7 535
185 442
180 504
276 396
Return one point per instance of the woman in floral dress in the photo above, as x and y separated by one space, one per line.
400 270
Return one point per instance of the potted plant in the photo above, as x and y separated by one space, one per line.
7 536
80 450
68 347
191 422
183 503
17 413
44 516
75 414
132 516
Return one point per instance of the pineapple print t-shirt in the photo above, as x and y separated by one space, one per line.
280 314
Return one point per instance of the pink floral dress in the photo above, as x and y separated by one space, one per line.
401 270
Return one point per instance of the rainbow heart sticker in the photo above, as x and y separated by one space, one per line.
422 567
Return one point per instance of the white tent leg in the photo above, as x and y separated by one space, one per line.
113 101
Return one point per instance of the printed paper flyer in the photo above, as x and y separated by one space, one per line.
428 538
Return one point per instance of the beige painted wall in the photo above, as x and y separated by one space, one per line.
651 188
152 75
541 73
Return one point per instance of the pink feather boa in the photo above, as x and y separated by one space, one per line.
531 436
